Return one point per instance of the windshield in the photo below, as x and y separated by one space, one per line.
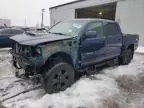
71 28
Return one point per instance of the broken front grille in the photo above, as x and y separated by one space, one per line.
19 48
22 50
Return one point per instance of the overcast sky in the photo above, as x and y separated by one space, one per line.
29 11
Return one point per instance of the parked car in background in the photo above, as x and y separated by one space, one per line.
5 35
1 27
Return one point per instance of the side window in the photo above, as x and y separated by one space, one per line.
96 26
110 29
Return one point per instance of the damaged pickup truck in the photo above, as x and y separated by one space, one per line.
70 47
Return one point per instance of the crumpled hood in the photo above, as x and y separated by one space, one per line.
26 39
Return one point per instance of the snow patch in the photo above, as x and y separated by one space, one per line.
114 87
101 91
85 93
140 50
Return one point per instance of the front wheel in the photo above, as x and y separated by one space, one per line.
127 56
59 77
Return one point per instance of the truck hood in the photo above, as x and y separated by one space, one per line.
34 40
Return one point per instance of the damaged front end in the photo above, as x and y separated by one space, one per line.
28 58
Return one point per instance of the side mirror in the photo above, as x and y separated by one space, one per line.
91 34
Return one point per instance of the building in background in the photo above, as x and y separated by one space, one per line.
129 13
5 23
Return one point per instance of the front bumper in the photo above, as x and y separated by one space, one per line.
35 63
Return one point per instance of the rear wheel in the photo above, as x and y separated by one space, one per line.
127 56
58 77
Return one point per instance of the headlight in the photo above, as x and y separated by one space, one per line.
38 50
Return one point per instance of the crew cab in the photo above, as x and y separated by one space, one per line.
69 47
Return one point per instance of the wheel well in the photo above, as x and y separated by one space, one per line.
131 47
62 56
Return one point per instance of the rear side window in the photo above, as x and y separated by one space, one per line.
111 29
96 26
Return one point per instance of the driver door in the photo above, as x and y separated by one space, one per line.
93 48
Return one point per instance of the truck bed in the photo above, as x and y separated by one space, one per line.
131 39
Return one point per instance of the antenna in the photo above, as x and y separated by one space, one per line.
25 23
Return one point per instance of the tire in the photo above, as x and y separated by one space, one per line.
59 77
17 65
127 56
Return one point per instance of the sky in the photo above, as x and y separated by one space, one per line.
27 12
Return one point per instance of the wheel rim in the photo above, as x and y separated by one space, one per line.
60 80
